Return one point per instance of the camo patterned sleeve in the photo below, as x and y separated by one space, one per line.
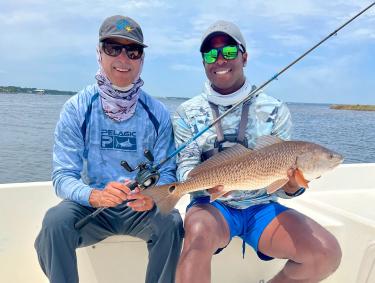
282 127
188 158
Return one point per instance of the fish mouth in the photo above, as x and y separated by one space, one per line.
338 161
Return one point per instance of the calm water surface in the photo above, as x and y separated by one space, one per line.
27 122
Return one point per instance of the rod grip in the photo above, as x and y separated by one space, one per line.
81 223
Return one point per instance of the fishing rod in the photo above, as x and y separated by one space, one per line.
256 90
148 174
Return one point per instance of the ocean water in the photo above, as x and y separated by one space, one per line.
27 123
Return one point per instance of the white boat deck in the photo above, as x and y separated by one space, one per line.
342 201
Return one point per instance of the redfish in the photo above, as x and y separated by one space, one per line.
239 168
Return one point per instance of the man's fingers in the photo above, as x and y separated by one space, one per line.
135 191
136 203
216 189
117 189
140 202
116 197
119 186
109 203
290 173
116 194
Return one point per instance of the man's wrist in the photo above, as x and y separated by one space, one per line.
297 193
94 198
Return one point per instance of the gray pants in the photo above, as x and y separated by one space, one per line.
58 239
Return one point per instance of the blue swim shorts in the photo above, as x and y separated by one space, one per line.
248 223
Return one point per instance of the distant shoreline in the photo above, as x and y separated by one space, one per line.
355 107
24 90
33 90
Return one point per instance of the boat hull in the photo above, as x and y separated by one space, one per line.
341 201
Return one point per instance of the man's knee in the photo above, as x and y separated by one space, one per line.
56 217
173 223
323 259
199 235
328 257
56 224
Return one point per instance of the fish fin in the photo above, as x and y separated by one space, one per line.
264 141
164 196
219 158
276 185
217 195
301 181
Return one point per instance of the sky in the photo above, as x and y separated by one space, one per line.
51 45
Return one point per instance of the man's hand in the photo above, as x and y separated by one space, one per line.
292 186
112 195
216 189
140 202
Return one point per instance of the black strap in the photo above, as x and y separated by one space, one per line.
243 122
86 121
151 116
221 139
241 128
87 116
218 127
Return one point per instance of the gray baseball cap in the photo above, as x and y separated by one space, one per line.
121 27
223 27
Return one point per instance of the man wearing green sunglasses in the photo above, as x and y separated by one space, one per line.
271 229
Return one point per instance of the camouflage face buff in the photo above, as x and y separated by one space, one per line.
118 104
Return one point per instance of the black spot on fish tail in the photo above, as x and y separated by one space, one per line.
172 188
164 196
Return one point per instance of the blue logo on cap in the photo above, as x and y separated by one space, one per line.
124 25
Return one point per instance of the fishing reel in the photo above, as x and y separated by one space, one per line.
147 175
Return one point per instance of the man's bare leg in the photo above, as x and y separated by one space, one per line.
313 252
205 231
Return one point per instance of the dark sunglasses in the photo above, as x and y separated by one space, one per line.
133 51
229 52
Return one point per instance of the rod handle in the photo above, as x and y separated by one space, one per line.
81 223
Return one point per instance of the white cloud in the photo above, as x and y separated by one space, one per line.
169 41
292 39
364 33
187 68
22 18
144 4
63 34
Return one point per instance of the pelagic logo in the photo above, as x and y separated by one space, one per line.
119 140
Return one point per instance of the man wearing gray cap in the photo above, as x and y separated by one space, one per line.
105 123
271 229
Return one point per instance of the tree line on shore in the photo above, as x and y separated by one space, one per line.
16 89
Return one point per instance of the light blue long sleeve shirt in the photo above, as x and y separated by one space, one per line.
89 146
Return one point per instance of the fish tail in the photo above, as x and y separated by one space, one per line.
164 196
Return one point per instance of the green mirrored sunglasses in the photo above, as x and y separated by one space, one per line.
229 52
